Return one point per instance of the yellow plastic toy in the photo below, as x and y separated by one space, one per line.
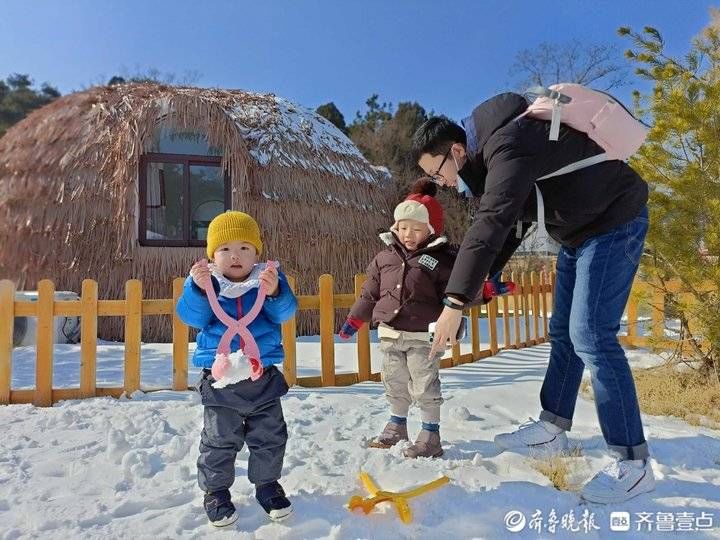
378 496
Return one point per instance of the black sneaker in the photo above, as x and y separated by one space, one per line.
219 508
272 498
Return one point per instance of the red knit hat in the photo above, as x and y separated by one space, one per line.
421 205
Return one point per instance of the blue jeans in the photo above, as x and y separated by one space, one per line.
592 287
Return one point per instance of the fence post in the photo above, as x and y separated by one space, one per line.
7 322
553 279
181 340
506 317
492 307
289 329
45 340
543 299
535 306
133 331
526 297
327 332
88 338
363 337
516 309
475 331
455 359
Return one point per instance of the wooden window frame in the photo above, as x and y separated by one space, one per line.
187 161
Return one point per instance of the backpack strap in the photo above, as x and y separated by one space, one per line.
572 167
576 166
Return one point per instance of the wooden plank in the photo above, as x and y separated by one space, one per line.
344 301
181 340
456 354
25 308
535 306
45 339
88 338
308 302
526 308
543 298
492 324
516 309
27 396
159 307
289 331
327 332
111 308
475 330
341 379
506 317
7 323
68 308
363 337
133 331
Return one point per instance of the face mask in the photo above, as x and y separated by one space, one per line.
462 187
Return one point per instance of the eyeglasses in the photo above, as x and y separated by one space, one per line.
436 176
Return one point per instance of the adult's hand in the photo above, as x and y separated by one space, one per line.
446 328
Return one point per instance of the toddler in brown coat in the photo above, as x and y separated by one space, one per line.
402 296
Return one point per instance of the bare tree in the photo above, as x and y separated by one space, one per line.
597 65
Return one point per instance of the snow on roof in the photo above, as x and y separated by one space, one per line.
280 132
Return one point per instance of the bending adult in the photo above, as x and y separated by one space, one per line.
599 216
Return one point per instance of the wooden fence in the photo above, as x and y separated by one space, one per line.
523 317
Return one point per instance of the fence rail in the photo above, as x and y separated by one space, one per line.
523 317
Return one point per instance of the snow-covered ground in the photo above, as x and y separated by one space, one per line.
105 468
156 360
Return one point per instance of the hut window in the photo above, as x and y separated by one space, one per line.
179 196
171 141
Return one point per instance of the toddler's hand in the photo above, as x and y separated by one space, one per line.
270 280
200 273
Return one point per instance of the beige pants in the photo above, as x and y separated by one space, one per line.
409 375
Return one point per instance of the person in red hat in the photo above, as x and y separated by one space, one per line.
403 294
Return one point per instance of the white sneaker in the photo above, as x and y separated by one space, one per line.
224 522
534 435
619 482
281 514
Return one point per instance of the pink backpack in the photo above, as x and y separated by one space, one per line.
602 117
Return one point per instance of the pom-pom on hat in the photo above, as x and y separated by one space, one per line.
421 205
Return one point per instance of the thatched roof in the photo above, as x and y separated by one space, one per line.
274 131
69 171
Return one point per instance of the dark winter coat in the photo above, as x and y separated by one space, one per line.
404 289
505 157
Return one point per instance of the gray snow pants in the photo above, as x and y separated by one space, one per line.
244 413
410 376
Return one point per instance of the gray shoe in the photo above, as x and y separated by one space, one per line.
427 444
390 436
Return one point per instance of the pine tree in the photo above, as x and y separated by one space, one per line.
681 161
333 114
18 99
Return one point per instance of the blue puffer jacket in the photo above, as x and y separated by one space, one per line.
194 310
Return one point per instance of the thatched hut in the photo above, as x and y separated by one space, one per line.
120 182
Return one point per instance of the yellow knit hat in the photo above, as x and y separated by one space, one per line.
233 225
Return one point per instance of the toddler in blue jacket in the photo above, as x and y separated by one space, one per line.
247 412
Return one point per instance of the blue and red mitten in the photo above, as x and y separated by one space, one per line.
494 287
350 327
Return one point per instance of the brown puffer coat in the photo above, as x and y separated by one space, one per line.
404 289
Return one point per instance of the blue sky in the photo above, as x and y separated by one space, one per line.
448 56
